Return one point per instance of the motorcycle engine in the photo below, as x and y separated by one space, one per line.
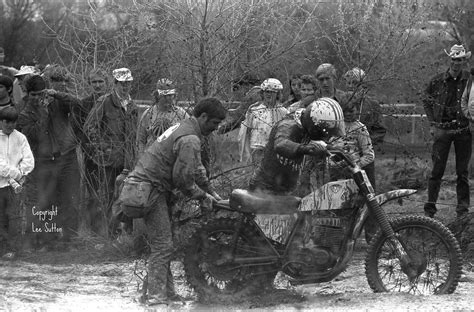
316 246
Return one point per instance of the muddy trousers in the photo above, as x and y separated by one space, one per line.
159 233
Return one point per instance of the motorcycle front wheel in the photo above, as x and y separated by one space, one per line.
209 265
433 250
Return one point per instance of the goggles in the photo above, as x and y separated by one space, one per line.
166 92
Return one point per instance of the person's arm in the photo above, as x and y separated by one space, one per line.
365 145
67 101
466 109
92 126
27 163
186 166
429 101
287 138
30 123
141 132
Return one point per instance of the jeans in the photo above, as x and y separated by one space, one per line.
57 185
463 149
9 213
159 233
100 183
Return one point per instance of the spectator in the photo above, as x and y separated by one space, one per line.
19 90
174 162
369 111
58 77
6 88
448 125
326 76
160 116
358 145
260 119
111 129
97 80
307 91
16 161
45 122
295 93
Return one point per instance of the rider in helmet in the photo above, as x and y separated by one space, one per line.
260 119
292 138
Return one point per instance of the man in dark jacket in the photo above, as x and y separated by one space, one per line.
448 125
45 122
291 139
174 162
111 131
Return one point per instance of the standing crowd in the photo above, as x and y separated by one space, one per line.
48 135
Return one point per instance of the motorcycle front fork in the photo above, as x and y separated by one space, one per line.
382 219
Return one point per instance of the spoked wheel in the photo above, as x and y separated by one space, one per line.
209 264
435 258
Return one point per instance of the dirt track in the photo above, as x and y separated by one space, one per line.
57 282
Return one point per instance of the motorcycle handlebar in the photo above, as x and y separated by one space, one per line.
337 155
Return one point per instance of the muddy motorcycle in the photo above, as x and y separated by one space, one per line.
231 257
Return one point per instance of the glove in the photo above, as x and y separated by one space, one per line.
215 195
315 148
207 202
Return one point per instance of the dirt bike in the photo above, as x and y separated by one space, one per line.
231 257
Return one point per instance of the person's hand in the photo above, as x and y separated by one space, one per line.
314 148
432 130
50 92
216 196
48 97
207 202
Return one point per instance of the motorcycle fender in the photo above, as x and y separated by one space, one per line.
385 197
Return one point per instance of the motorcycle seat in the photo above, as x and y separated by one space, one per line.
260 203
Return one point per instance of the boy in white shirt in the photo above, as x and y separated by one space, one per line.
16 161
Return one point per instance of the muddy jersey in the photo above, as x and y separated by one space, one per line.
280 168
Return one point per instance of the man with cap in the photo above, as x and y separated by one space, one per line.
160 116
45 122
448 125
111 130
6 88
19 92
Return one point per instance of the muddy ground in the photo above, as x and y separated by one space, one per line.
101 277
93 279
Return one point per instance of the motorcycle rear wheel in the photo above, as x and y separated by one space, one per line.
430 244
208 267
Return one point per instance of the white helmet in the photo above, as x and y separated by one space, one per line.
271 84
323 118
356 74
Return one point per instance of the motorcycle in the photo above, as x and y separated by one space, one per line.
230 257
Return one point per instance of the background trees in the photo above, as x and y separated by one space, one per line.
208 46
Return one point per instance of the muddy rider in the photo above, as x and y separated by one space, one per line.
174 162
291 139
